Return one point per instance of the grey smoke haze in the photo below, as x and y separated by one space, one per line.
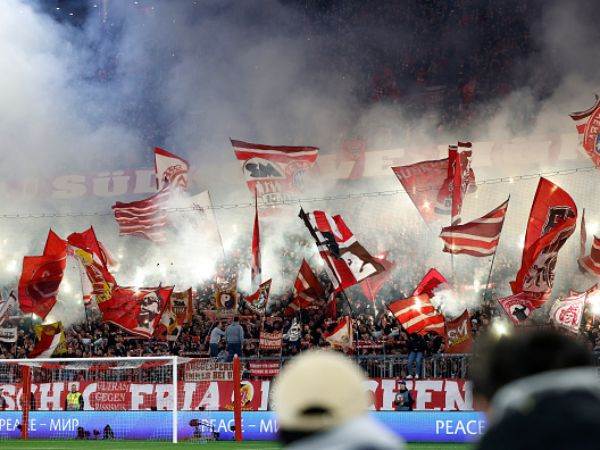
97 97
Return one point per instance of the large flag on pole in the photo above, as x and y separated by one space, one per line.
274 171
347 262
145 218
430 184
588 127
416 313
422 182
136 310
41 277
256 268
148 217
307 290
96 279
551 222
479 237
257 301
518 307
430 282
171 170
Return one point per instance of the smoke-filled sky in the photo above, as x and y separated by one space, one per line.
92 86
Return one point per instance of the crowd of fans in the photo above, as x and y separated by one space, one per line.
376 331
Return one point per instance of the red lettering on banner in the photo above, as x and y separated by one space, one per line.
429 394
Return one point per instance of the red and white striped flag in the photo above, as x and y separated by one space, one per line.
588 127
145 218
307 290
480 237
256 268
417 313
590 264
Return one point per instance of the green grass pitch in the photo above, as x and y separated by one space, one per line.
139 445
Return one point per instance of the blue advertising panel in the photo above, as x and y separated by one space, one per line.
418 426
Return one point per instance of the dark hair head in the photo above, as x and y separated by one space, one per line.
499 361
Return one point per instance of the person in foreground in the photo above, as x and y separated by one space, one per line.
321 403
539 390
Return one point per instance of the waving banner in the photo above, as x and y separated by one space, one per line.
459 336
136 310
347 262
274 171
41 277
551 222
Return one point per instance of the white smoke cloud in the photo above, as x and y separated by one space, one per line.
188 79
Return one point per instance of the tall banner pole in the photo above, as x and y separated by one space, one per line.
489 278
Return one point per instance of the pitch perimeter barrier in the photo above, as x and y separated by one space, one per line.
435 426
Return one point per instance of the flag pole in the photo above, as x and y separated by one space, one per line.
489 278
217 226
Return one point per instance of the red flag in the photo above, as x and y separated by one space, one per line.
372 285
41 277
422 182
460 178
307 290
431 281
274 171
518 307
590 264
588 127
93 260
182 306
256 268
259 299
430 184
136 310
552 220
479 237
176 314
50 341
347 262
170 169
459 336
